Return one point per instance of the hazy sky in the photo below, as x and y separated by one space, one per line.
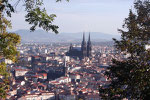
82 15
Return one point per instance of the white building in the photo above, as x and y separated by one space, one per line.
20 72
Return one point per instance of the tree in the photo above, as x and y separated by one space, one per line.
130 78
36 16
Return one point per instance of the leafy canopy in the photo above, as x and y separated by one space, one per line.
130 78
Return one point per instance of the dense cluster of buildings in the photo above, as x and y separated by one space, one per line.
60 72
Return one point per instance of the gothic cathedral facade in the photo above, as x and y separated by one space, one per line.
81 52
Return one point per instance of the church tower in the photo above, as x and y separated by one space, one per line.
83 47
89 47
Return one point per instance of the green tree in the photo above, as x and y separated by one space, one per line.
36 16
130 78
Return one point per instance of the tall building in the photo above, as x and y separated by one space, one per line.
83 47
89 47
81 52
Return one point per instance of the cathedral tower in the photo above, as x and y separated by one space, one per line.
89 47
83 47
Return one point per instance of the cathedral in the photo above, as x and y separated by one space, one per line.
81 52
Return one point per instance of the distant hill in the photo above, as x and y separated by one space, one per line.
43 36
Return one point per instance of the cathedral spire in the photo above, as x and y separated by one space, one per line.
83 41
89 38
84 47
89 47
83 37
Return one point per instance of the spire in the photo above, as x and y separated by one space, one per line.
89 37
89 46
83 41
84 47
83 37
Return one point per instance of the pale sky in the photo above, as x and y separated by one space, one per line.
82 15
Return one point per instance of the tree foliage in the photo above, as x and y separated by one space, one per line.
36 13
36 16
130 78
8 50
4 80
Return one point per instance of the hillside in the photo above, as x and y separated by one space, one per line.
42 36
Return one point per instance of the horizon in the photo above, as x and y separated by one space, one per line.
76 16
43 36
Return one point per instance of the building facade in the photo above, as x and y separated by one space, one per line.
81 52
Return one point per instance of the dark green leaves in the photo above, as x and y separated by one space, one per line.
39 18
6 7
8 43
131 77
